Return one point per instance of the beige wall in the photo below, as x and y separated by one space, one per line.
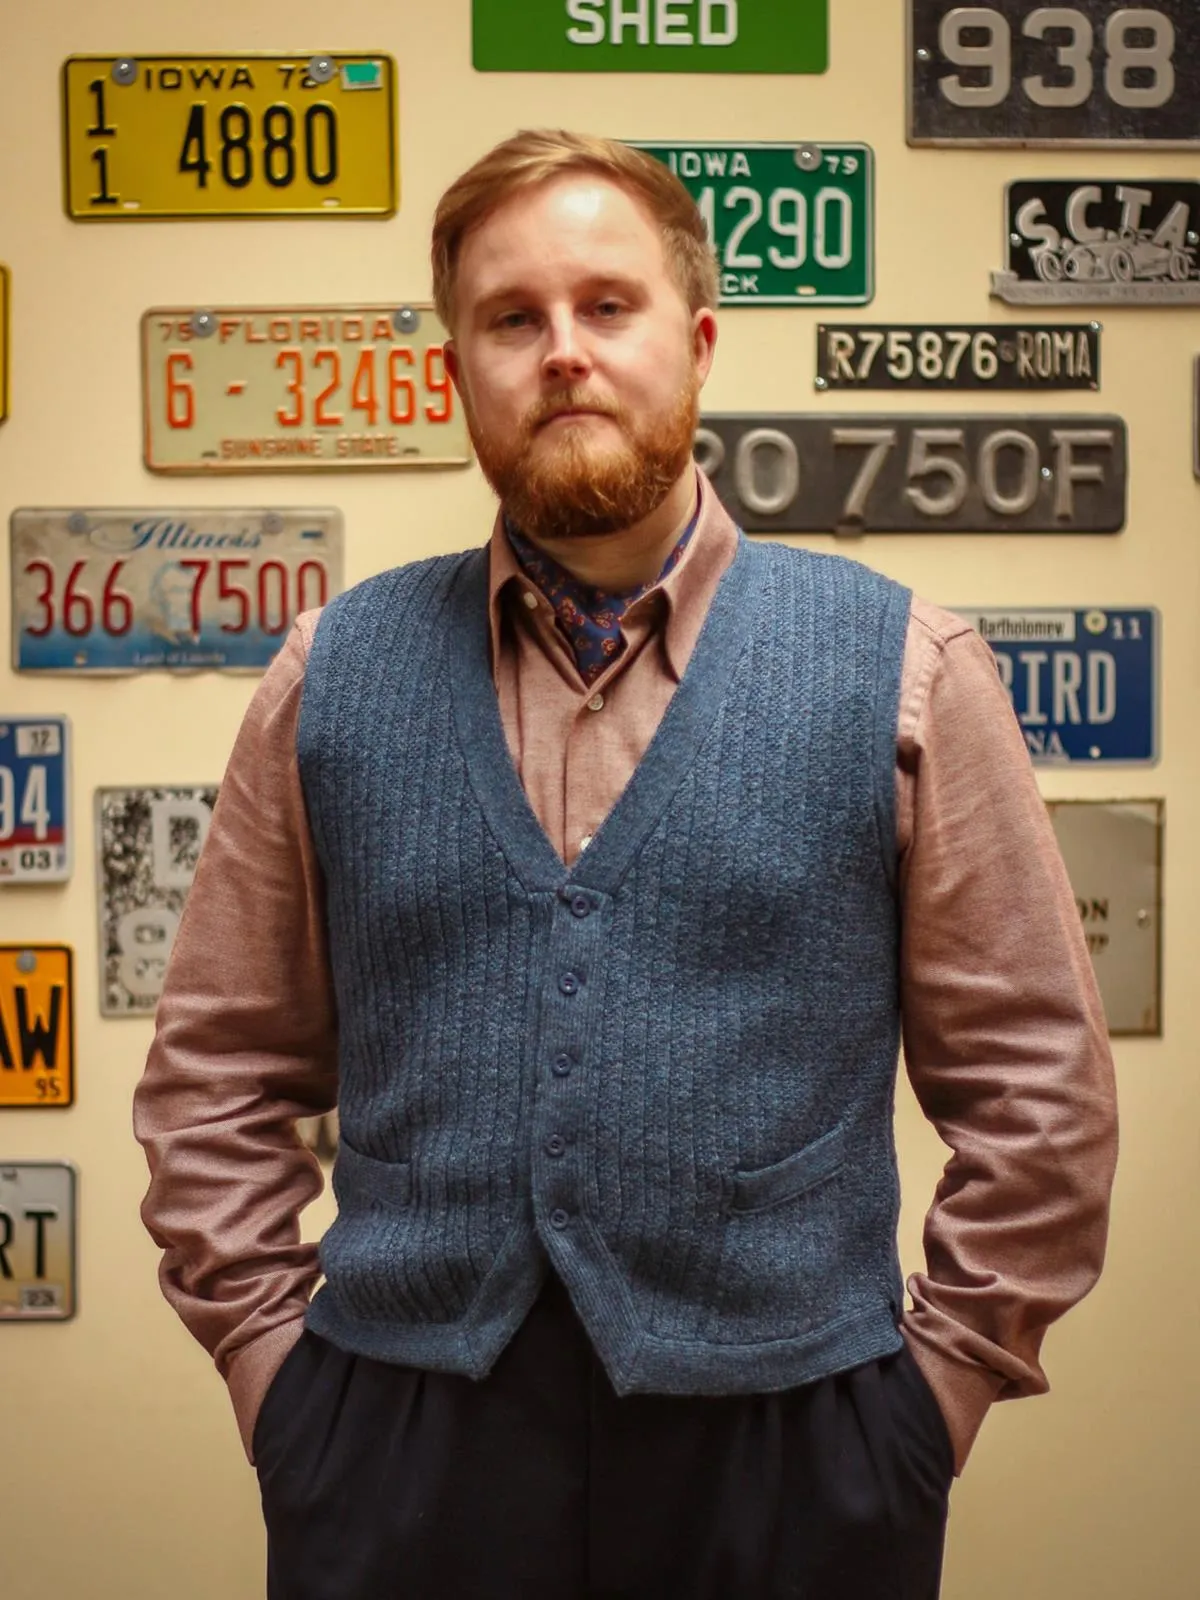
122 1474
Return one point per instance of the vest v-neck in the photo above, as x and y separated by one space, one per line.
689 714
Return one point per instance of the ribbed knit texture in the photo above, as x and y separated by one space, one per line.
711 1166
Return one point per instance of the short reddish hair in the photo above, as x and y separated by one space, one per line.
536 155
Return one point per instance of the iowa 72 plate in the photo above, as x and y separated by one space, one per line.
229 136
128 590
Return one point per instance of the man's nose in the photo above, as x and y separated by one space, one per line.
565 357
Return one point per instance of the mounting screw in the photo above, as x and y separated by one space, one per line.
77 522
272 522
124 70
924 55
322 68
1015 238
203 324
820 383
27 961
406 320
1047 472
807 157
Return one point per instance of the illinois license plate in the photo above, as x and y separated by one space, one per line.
917 474
1015 72
229 136
271 389
148 844
116 590
37 1025
793 224
37 1240
996 356
1084 683
35 837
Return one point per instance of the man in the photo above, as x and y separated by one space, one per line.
592 874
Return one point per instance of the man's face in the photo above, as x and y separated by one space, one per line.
577 359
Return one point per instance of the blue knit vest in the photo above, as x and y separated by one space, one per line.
667 1073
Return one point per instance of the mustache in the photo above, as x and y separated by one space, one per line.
552 406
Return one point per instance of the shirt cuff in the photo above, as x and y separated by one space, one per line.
963 1393
252 1372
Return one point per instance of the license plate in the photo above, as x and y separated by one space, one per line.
271 389
1084 683
793 224
1082 242
149 841
35 835
774 36
996 356
37 1025
37 1241
1015 72
1113 853
5 296
116 590
917 474
229 136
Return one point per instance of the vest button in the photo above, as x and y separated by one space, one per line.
561 1066
570 982
555 1145
559 1218
580 905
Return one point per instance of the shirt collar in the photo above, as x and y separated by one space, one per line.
687 590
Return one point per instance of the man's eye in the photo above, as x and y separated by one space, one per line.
512 319
609 308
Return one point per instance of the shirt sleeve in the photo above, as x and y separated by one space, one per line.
244 1044
1005 1040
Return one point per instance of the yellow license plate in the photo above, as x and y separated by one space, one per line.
229 136
292 388
4 298
37 1025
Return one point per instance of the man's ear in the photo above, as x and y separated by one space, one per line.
450 356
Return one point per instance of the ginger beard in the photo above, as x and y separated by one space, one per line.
581 477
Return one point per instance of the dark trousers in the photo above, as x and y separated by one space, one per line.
384 1482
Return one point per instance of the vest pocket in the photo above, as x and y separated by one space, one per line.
765 1187
362 1183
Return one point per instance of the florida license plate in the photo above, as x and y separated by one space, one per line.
35 838
287 389
792 224
1083 683
229 136
37 1025
115 590
148 844
37 1240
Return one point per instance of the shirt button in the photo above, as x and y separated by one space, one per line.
530 599
585 841
559 1218
561 1066
596 703
580 905
555 1145
569 982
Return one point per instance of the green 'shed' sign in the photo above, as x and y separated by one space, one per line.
781 36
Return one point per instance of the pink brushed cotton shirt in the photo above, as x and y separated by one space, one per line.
1004 1037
